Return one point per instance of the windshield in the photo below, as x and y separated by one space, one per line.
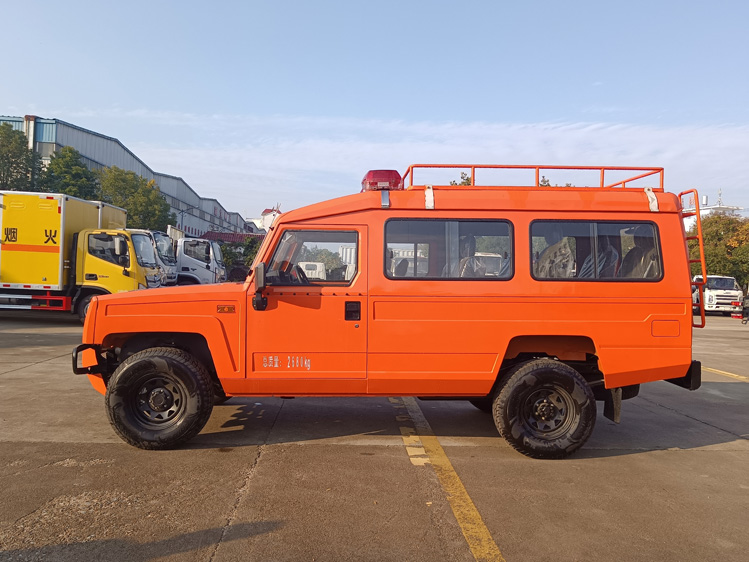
164 248
721 283
144 251
217 253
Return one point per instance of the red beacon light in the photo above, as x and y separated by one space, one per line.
381 180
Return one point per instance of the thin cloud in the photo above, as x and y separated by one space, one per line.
249 162
297 161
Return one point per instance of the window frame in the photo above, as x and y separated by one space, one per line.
385 256
316 282
595 235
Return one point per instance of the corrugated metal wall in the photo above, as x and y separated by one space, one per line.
101 151
15 122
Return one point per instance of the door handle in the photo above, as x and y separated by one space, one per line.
353 311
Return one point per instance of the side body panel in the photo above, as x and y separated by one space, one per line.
35 242
449 337
37 237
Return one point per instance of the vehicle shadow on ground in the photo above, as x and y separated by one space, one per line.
661 419
132 551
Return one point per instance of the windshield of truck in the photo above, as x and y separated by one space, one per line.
217 253
164 248
144 251
722 284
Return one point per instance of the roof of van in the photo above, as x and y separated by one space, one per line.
494 197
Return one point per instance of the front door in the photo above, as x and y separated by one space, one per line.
312 336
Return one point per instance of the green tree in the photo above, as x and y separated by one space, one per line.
146 206
465 179
725 238
330 259
19 166
66 173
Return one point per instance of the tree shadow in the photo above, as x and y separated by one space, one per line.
133 551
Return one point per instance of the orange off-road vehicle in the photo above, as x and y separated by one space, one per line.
531 301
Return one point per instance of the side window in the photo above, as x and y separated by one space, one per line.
588 250
198 249
448 249
108 247
314 257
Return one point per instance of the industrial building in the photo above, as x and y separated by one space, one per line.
196 215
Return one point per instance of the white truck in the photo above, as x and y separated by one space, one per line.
720 294
199 261
166 256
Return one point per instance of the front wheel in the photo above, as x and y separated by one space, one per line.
82 307
159 398
545 409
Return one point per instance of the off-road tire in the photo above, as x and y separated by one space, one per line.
159 398
544 409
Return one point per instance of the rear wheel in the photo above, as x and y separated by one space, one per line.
545 409
159 398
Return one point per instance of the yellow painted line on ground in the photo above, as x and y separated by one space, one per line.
478 537
716 371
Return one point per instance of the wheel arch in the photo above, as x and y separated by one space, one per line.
86 290
577 351
565 348
127 344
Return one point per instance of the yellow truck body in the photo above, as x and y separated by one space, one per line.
53 251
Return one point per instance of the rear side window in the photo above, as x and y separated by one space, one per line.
589 250
448 249
314 257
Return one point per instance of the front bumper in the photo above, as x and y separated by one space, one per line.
101 362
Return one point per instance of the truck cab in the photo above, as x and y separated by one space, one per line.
719 294
113 261
166 257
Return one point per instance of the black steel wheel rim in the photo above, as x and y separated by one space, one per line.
159 400
548 411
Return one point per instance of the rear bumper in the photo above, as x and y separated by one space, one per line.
692 380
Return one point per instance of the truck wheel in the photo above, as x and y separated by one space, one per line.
159 398
82 307
545 409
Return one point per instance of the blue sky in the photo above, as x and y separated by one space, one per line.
257 103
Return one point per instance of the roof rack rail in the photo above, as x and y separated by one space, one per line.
539 173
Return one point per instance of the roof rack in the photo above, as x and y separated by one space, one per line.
539 173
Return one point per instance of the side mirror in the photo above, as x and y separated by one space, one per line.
122 260
260 276
259 302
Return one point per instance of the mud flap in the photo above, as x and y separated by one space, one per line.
692 380
612 405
